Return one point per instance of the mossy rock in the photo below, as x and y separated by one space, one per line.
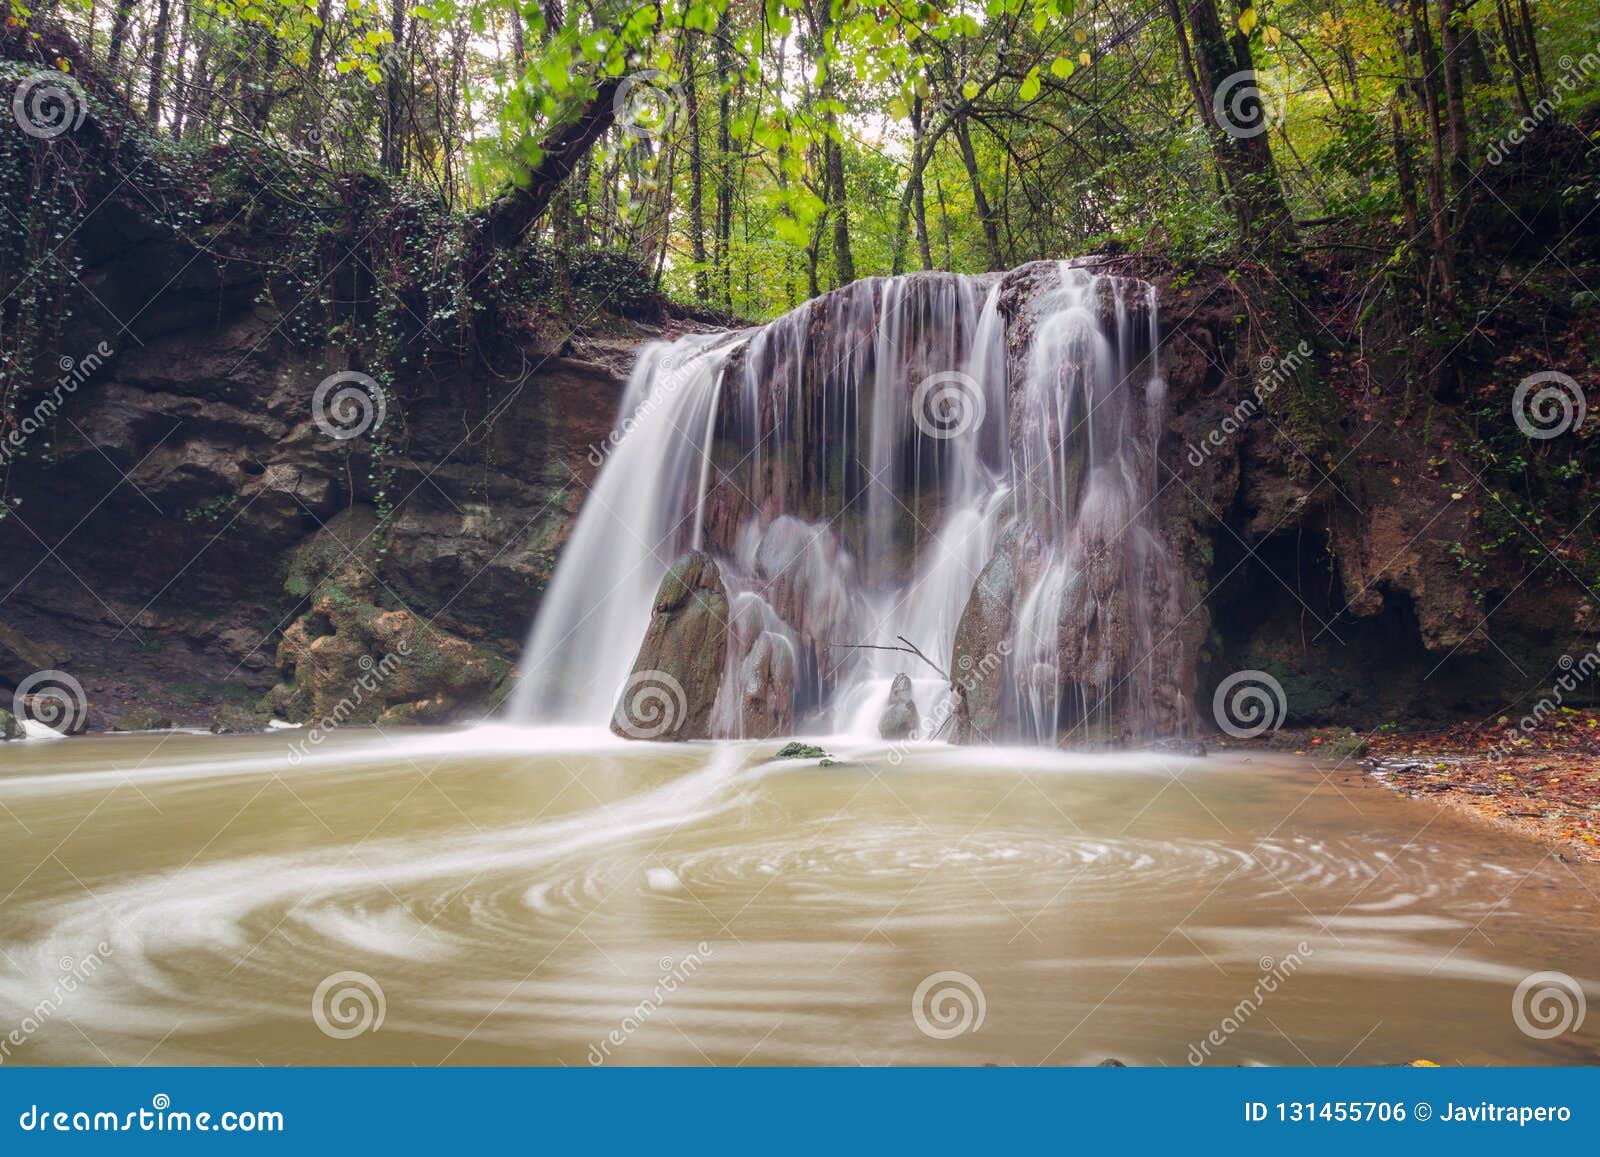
678 670
232 719
349 661
797 750
9 727
142 719
340 557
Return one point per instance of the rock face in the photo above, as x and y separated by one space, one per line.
165 516
190 510
900 719
679 669
21 656
350 660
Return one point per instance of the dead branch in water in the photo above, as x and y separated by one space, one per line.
910 648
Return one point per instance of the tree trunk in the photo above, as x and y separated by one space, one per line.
969 159
393 151
725 159
1240 144
697 218
1514 57
120 17
180 75
1439 212
506 220
912 201
919 207
158 61
1454 96
833 184
519 39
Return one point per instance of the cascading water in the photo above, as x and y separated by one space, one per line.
967 463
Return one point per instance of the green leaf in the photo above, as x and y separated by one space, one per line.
1030 84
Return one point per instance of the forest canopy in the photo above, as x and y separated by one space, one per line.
753 154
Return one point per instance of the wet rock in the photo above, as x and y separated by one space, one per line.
349 661
766 687
233 719
977 660
797 750
679 668
900 719
142 719
9 727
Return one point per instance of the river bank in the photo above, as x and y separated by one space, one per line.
1543 784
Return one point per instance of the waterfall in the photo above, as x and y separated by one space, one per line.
855 468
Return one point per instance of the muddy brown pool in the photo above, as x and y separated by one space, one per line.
516 896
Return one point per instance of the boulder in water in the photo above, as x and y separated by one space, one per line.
234 719
983 640
797 750
678 670
9 727
766 688
900 718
